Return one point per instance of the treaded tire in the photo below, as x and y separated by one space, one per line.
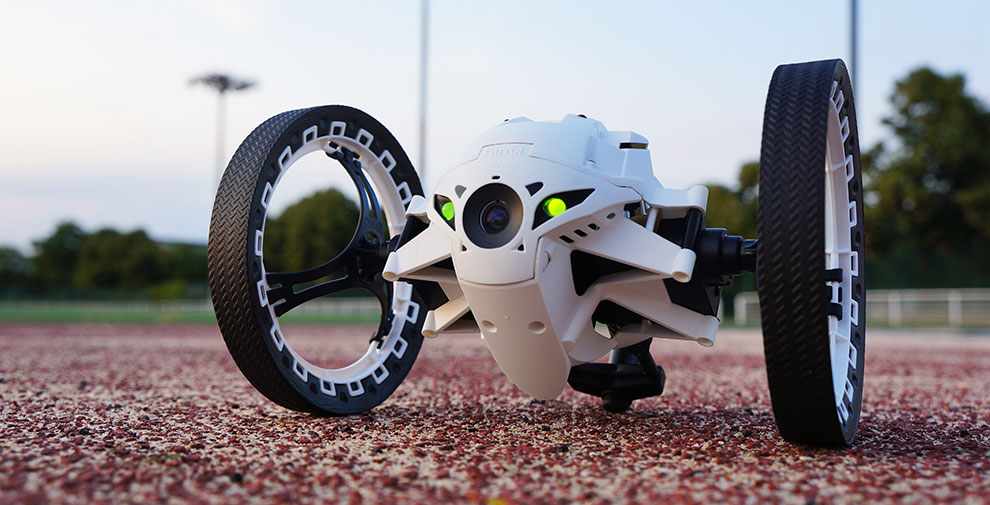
815 377
236 267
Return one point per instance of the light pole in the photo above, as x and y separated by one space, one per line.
222 83
853 42
424 47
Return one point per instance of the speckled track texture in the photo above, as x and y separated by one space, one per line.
143 414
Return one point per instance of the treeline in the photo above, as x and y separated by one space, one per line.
927 189
109 264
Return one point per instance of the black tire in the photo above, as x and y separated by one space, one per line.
805 305
239 283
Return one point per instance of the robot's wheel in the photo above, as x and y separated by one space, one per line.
810 267
249 299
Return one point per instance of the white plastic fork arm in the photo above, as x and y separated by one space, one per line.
440 319
463 326
418 207
675 202
451 289
426 249
435 274
651 252
640 296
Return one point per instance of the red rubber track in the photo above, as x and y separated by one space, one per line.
137 414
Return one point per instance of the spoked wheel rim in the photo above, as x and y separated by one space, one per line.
249 300
368 246
841 260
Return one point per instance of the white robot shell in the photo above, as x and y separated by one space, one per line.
514 274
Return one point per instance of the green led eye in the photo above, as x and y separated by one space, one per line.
554 206
447 210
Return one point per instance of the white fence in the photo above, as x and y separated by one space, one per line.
340 307
902 307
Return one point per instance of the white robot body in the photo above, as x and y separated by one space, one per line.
558 244
513 272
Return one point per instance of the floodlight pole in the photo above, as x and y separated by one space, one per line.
424 41
853 28
221 123
222 83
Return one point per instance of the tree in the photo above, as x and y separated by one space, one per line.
16 271
931 187
183 261
735 208
182 268
928 187
310 231
111 259
56 256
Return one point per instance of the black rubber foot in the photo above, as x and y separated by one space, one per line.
615 403
631 375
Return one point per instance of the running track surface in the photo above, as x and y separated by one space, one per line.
117 414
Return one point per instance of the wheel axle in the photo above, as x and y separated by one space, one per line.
722 256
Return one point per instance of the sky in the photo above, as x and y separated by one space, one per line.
101 126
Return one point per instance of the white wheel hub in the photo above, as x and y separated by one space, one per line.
840 219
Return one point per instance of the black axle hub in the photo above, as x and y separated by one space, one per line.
722 256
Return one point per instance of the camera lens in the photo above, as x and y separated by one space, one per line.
494 217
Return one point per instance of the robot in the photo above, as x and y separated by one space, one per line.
557 243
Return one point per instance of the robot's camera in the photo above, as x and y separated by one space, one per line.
492 215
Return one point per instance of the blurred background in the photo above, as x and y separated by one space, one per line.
113 127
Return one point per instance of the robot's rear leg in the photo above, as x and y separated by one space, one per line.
629 375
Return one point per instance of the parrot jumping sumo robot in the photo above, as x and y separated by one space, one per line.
556 242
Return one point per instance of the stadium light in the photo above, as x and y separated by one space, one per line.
222 83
